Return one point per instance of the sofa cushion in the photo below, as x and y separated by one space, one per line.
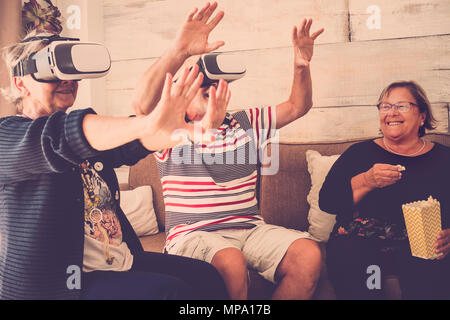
283 195
320 223
137 204
145 172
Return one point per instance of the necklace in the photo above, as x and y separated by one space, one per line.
401 154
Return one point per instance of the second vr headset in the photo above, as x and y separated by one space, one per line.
65 59
216 66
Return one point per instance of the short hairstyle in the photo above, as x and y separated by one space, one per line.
12 55
421 98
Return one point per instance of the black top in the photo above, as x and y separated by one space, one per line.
42 203
426 175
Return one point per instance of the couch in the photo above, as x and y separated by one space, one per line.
282 199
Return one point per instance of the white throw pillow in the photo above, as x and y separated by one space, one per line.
137 205
320 223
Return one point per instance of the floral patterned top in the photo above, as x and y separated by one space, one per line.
371 228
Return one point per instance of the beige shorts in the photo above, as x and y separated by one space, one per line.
263 246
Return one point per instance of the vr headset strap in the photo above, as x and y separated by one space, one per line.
25 67
29 66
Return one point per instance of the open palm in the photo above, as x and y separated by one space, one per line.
166 124
217 106
304 43
192 39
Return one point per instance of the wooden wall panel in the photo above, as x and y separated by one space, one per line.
144 29
347 76
399 18
350 73
322 124
10 33
119 103
125 74
343 74
328 124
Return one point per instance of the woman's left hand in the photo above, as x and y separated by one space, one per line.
442 244
165 127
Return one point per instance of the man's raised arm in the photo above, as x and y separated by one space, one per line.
300 100
192 39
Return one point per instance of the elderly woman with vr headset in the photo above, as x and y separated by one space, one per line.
59 198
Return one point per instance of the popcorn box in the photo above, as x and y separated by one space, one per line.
423 223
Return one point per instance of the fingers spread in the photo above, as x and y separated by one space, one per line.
200 15
305 28
190 79
191 15
223 95
317 33
228 97
221 88
195 87
294 34
167 86
308 27
179 86
209 12
212 99
302 27
215 21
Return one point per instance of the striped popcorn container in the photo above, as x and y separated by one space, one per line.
423 223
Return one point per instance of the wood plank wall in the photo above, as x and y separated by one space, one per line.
352 63
10 29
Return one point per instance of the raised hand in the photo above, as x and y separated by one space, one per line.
304 43
166 126
192 39
217 106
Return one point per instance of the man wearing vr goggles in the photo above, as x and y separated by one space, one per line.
211 208
59 194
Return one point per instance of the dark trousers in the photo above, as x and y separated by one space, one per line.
156 276
348 260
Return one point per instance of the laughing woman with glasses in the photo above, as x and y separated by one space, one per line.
366 188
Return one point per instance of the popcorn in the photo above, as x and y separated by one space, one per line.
423 223
401 168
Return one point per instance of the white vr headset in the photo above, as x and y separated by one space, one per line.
65 59
216 66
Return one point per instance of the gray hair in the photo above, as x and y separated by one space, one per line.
423 103
12 55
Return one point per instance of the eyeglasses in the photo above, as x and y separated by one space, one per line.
401 106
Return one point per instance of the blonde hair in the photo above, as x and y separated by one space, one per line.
12 55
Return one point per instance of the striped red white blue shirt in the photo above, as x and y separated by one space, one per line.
213 186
